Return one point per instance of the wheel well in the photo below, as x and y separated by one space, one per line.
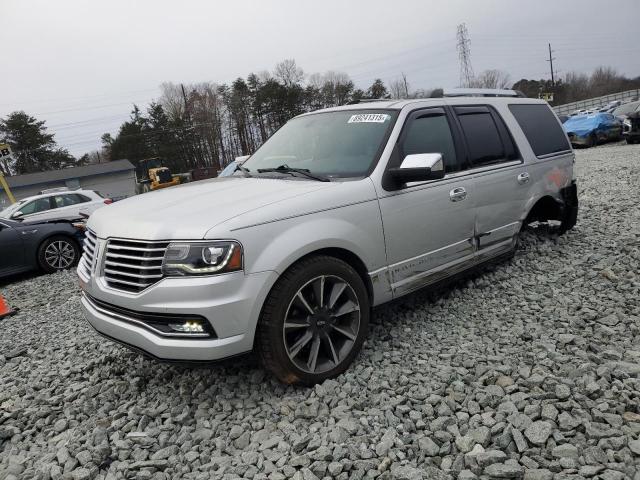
546 208
348 257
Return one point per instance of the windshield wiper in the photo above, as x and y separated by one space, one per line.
302 171
244 170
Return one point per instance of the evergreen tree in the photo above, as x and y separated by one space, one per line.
33 148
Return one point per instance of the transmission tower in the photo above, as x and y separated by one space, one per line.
464 54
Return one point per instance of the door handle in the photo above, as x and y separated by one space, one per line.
457 194
523 178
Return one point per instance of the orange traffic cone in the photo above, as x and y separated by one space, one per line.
5 310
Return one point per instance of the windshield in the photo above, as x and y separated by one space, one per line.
6 213
334 144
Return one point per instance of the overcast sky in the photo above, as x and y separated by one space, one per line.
81 64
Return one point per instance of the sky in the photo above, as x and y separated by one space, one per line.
80 65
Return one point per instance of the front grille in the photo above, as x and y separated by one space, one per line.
89 253
133 265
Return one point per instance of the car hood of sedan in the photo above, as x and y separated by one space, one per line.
189 211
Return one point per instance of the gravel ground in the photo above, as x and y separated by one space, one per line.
530 370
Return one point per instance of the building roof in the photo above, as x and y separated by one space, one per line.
68 173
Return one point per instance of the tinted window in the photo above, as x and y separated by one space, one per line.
540 126
483 139
431 134
39 205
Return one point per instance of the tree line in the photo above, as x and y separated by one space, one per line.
209 124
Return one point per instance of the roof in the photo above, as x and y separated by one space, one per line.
68 173
393 104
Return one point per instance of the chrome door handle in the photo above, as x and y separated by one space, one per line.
457 194
523 178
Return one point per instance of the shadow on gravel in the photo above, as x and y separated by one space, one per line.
20 277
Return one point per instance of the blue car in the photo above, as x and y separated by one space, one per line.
591 129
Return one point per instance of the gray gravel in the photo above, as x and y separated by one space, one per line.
530 370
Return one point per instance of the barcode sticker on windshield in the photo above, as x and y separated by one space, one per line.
369 118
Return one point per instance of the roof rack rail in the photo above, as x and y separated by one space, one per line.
477 92
367 100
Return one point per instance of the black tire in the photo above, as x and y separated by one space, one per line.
593 140
68 258
276 344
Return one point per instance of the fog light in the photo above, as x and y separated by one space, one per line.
187 327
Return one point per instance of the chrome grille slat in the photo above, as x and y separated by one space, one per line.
137 249
133 265
88 252
131 257
135 275
129 265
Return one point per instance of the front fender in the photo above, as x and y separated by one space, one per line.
276 246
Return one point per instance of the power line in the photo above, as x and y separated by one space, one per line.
464 54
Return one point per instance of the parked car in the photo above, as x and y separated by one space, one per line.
590 130
340 210
631 130
57 205
48 246
623 113
582 111
610 107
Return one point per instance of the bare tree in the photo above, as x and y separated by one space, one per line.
172 100
288 72
399 88
491 79
605 80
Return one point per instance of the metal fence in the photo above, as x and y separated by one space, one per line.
596 102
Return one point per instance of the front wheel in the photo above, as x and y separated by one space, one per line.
314 321
58 253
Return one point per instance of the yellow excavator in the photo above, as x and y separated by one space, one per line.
152 175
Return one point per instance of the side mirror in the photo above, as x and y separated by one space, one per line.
242 159
419 167
17 215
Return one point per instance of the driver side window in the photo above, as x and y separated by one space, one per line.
431 134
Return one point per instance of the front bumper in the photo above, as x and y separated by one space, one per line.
230 303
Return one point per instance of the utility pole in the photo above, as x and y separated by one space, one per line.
551 59
464 54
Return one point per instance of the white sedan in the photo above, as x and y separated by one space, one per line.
65 205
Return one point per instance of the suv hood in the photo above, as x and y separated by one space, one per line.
188 211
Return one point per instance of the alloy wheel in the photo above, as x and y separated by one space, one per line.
321 324
59 254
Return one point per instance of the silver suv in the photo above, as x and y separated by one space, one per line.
339 211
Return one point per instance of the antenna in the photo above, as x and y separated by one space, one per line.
464 54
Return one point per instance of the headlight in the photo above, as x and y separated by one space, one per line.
202 258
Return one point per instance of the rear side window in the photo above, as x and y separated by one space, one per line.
482 136
540 126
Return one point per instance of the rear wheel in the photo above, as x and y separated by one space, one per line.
593 140
58 253
314 321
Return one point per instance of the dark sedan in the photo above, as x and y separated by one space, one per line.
48 246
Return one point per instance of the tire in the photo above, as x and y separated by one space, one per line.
58 253
593 140
288 352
